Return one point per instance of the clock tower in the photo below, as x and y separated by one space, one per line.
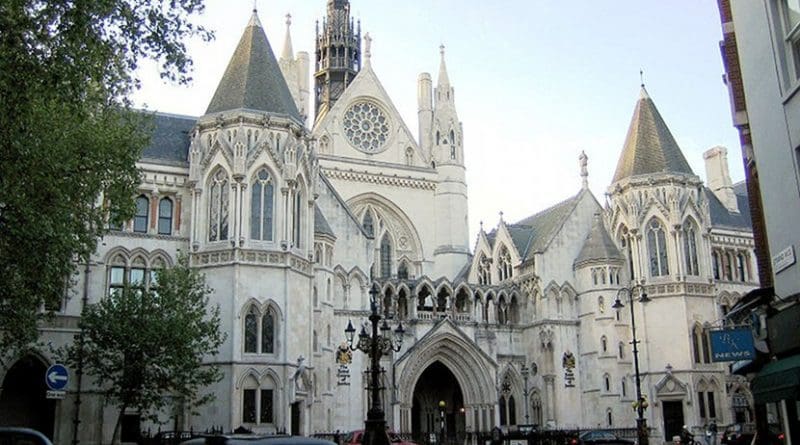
338 55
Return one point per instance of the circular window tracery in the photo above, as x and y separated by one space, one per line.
366 126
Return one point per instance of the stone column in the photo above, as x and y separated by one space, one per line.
550 395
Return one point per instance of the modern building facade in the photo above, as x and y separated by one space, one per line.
760 50
293 225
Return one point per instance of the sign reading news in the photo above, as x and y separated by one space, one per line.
728 345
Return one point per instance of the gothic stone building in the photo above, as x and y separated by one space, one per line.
292 225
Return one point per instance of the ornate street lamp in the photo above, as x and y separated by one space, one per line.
641 402
375 346
442 406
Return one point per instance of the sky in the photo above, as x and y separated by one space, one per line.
535 82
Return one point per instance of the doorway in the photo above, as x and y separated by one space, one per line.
23 400
437 413
673 418
295 418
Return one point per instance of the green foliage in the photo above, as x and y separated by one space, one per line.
144 348
68 141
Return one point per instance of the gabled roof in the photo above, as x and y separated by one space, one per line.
598 245
649 146
253 79
534 233
721 217
169 141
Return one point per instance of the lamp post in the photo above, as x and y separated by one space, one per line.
375 345
641 403
526 372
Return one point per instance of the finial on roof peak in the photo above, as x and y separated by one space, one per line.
288 19
501 216
583 161
367 47
254 21
643 92
441 50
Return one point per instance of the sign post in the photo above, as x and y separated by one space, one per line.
56 379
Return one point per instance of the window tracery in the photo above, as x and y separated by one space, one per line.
218 207
262 191
657 249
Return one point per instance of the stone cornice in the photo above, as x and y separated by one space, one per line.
375 178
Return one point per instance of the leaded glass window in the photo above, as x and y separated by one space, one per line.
386 257
265 415
366 126
690 249
165 217
657 248
249 406
402 271
218 207
268 333
251 331
261 207
141 216
298 202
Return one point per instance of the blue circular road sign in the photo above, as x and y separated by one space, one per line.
56 377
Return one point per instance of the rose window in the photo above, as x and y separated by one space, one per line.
366 127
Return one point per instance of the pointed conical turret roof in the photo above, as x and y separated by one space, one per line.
649 146
598 245
253 79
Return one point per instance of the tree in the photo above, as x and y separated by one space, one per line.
145 347
68 139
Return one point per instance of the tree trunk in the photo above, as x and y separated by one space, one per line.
117 427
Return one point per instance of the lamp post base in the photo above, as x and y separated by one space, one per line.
375 432
641 432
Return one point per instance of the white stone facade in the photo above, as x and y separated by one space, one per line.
359 200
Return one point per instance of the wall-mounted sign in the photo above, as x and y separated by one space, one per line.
783 259
344 356
730 345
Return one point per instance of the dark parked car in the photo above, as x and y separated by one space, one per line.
599 437
254 439
22 436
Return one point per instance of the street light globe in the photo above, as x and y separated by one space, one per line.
442 404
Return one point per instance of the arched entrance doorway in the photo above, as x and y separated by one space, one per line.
438 406
23 399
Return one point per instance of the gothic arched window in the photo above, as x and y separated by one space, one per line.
604 343
715 264
452 145
740 267
368 224
621 347
690 249
165 216
484 273
218 207
657 249
142 214
386 257
261 206
251 330
504 269
298 218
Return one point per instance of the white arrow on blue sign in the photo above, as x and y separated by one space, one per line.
56 377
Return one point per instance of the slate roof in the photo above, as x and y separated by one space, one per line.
532 234
649 146
253 79
321 225
722 217
598 244
169 143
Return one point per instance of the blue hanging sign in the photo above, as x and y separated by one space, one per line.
730 345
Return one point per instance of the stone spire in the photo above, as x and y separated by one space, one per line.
288 52
338 55
444 80
253 80
649 147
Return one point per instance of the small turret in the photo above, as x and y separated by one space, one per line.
447 147
295 70
338 55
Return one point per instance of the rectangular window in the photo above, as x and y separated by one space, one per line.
266 406
712 407
116 280
137 277
701 404
249 406
790 12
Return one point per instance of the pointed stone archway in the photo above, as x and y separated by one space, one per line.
23 399
464 374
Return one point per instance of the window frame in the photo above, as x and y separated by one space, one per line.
142 215
165 221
